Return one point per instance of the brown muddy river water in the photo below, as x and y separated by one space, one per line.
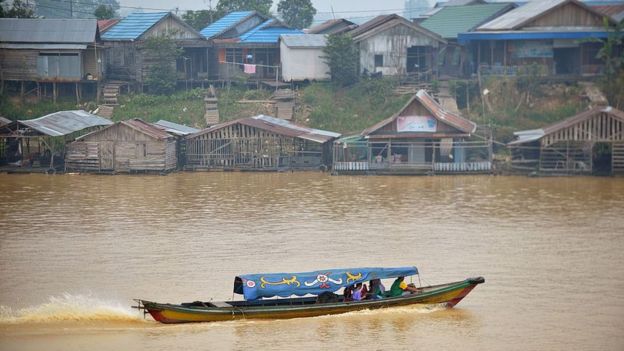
75 249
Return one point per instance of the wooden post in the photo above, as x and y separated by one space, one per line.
22 90
77 94
54 92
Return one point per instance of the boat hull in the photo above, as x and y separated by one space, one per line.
449 294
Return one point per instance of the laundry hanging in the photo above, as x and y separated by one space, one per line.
249 69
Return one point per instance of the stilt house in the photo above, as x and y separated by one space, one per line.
422 138
590 142
259 143
126 147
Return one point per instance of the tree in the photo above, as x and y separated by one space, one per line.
262 6
104 12
18 10
200 19
297 13
342 58
611 53
1 9
161 77
72 8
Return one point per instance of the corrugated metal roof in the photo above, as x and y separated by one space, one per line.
615 11
384 22
175 128
106 24
522 15
35 46
267 32
146 128
304 40
4 121
134 25
26 30
278 126
451 20
332 26
225 23
436 110
65 122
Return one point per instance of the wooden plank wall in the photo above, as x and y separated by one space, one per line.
568 15
244 147
19 64
600 128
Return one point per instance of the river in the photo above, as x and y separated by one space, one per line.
75 250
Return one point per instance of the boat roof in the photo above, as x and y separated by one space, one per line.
256 286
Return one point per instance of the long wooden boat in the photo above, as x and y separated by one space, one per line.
259 307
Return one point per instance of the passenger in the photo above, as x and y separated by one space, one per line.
399 287
377 290
360 292
348 293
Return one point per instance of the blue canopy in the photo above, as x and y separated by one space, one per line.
254 286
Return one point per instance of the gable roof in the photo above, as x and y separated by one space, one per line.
463 3
134 25
527 136
46 31
383 22
106 24
529 12
268 32
332 26
436 110
278 126
225 23
452 20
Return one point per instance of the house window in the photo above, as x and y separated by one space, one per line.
59 65
378 60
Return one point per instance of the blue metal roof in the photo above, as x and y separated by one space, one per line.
262 34
133 26
521 35
225 23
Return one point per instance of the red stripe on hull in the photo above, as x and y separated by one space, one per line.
463 294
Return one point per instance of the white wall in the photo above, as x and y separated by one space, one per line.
299 64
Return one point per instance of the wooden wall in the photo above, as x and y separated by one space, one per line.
120 148
568 15
19 64
600 128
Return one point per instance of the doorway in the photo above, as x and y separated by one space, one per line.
602 159
567 60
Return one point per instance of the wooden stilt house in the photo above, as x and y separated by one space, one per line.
422 138
125 147
259 143
591 142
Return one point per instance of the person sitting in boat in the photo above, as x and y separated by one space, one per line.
377 290
400 287
360 292
348 293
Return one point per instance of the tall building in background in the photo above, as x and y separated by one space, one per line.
414 8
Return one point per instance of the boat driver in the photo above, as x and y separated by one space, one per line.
400 287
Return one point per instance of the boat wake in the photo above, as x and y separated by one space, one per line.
69 308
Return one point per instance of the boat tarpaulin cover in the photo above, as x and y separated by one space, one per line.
254 286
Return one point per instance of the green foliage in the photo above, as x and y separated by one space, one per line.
19 9
341 55
104 12
161 78
612 83
200 19
183 107
297 13
351 110
72 8
262 6
14 108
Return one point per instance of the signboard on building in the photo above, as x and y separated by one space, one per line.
416 124
533 49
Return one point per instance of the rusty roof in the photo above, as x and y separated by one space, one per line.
146 128
65 122
526 136
277 126
106 24
436 111
615 11
329 26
